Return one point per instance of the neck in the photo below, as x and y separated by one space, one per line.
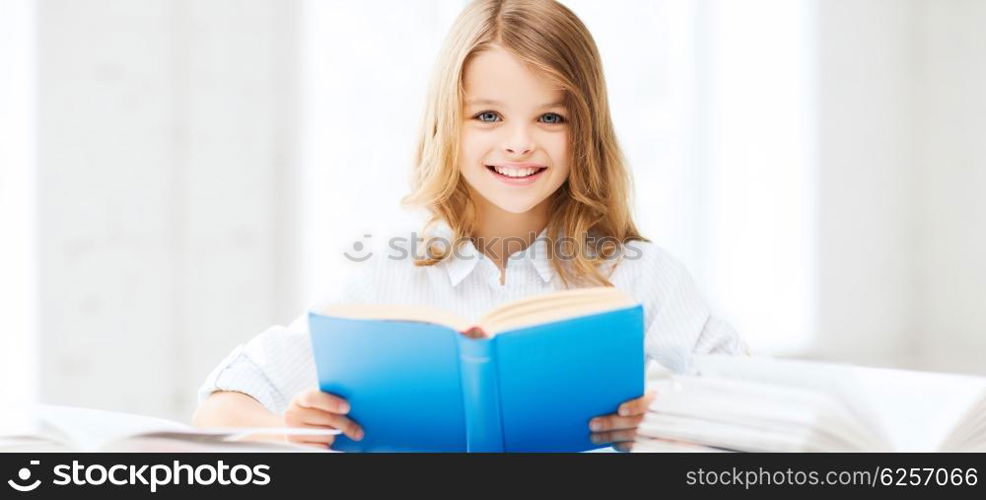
500 233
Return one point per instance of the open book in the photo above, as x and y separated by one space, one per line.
774 405
64 428
526 376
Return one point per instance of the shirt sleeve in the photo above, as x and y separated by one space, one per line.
272 367
678 321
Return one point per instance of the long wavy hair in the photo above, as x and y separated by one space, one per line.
591 210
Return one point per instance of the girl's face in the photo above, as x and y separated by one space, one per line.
513 148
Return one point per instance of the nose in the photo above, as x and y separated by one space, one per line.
519 150
520 142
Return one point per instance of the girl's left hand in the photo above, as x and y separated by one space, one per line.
620 428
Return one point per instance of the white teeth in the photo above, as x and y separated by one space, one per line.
515 172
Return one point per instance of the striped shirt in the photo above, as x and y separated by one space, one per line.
277 364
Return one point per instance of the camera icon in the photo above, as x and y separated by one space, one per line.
24 474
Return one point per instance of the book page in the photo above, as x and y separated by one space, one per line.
534 310
89 429
752 407
914 411
971 433
420 314
726 435
657 445
918 410
183 443
545 308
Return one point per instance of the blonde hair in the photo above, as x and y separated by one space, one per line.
592 208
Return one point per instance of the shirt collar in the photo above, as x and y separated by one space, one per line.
537 252
462 262
466 258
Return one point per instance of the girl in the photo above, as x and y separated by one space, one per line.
518 165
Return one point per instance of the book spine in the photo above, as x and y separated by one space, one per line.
480 395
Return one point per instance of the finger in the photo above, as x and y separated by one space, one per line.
637 406
624 447
614 422
348 427
317 445
309 417
320 446
322 440
317 439
619 436
314 398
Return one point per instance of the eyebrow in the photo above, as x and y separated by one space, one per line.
474 102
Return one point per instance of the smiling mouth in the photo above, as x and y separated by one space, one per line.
516 173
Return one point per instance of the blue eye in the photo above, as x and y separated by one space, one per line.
491 115
556 118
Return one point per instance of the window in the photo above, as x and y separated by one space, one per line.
18 358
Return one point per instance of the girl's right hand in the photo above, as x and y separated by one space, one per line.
314 409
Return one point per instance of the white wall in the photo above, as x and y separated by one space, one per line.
951 125
903 224
166 208
868 253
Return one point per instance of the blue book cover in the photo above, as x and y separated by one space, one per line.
545 367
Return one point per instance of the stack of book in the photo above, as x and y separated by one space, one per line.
774 405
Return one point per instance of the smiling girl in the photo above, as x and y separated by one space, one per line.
519 167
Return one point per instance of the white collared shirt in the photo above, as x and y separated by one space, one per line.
277 364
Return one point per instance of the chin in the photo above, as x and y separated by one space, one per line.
515 207
514 203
